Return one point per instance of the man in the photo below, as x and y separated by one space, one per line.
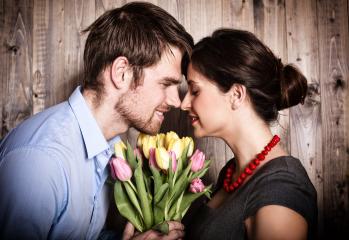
53 166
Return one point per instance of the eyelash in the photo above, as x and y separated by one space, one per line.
194 92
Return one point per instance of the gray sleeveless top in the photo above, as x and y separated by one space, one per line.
282 181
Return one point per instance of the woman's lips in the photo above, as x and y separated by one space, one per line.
193 119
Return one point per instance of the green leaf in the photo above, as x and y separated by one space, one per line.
131 158
202 172
162 227
132 196
170 173
143 197
175 207
180 186
188 198
158 215
125 207
159 195
157 179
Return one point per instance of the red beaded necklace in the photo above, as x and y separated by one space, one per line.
230 186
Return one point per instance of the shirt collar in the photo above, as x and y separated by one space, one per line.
95 142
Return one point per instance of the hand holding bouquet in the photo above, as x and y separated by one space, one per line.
157 181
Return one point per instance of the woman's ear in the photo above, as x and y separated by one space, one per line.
237 95
119 72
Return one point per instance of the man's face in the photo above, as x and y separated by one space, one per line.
143 107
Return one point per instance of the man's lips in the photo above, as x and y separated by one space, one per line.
160 113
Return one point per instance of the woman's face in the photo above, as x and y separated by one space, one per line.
208 107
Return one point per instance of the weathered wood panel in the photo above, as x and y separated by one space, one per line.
305 121
333 53
40 27
270 27
55 42
41 63
16 50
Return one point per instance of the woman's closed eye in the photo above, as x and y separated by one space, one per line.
194 91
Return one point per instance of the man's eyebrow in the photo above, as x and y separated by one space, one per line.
172 80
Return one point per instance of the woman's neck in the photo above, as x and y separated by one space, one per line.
247 142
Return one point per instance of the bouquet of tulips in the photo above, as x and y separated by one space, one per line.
158 180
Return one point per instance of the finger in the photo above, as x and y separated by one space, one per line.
148 235
128 231
174 235
174 225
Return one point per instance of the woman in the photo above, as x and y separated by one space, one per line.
236 88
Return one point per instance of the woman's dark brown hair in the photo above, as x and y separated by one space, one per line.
138 31
237 57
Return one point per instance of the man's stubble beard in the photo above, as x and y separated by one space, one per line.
133 119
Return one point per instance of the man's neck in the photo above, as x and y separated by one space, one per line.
108 120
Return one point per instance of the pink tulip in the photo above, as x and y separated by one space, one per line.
196 186
197 160
174 161
152 159
120 169
138 153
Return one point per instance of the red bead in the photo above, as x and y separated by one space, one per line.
252 166
248 171
260 157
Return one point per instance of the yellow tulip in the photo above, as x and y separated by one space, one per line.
140 138
120 149
148 143
160 140
169 136
188 142
162 158
176 146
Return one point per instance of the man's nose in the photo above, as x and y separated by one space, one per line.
185 106
173 98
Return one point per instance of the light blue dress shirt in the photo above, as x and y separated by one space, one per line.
53 171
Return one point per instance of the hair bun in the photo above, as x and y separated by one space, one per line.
293 86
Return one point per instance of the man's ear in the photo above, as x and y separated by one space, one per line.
237 95
119 70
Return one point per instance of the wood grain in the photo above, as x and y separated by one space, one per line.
41 63
305 121
17 51
334 51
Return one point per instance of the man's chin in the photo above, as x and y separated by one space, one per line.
150 129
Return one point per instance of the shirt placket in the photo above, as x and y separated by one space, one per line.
101 176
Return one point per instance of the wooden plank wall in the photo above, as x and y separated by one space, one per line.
41 62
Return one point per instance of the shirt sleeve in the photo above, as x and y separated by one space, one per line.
32 193
286 189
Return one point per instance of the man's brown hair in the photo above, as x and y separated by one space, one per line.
139 31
